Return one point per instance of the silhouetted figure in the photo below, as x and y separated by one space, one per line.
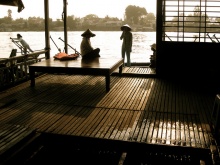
24 43
126 36
153 57
87 51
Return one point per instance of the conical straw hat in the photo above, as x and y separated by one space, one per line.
88 33
126 25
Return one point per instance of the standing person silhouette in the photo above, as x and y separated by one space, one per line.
126 36
87 51
24 43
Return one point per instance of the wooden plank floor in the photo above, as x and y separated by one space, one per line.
139 71
11 135
136 109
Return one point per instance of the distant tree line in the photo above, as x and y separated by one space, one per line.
193 22
133 15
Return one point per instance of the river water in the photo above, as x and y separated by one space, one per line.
108 41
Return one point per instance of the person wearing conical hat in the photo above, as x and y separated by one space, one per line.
127 38
87 51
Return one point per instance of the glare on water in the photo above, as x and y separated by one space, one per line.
108 41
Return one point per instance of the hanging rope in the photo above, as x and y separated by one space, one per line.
63 11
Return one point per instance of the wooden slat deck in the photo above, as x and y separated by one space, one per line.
13 137
138 71
136 109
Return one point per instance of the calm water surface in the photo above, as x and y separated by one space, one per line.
108 42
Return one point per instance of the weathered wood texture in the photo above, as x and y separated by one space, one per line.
136 109
135 114
12 137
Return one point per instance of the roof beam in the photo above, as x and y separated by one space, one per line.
17 3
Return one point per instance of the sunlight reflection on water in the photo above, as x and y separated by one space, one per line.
108 41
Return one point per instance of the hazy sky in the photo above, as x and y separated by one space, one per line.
78 8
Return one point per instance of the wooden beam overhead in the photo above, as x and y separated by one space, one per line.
17 3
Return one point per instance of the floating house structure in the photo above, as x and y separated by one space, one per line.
99 112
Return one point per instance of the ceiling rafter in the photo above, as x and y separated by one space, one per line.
17 3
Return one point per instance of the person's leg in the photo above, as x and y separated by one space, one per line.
96 52
123 55
25 50
88 55
128 58
92 54
28 47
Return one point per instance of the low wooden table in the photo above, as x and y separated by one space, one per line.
98 66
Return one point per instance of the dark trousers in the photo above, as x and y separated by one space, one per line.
92 54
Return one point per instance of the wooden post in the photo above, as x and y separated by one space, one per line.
47 33
65 25
159 34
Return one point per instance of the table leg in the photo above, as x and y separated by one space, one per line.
32 77
107 82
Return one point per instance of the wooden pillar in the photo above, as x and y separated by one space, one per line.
159 34
47 33
65 25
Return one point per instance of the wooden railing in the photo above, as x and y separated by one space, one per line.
16 69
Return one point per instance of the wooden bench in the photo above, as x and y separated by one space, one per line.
98 66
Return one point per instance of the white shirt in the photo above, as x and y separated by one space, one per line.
23 42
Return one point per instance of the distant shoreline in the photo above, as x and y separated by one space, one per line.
81 28
60 30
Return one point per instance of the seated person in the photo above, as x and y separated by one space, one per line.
153 57
87 51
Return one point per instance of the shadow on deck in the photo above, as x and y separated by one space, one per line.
141 120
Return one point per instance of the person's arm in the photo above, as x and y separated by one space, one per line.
122 35
14 39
